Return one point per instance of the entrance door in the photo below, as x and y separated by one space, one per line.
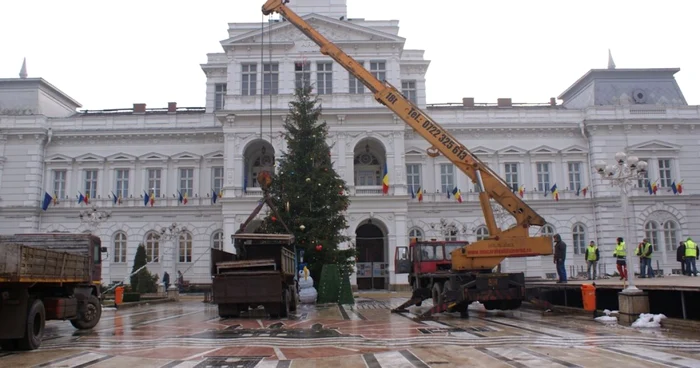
372 268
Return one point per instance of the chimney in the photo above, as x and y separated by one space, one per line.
552 101
172 107
468 102
505 102
139 108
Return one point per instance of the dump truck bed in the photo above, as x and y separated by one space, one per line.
28 264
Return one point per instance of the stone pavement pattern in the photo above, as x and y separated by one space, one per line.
190 334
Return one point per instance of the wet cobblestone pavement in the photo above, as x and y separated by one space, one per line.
190 334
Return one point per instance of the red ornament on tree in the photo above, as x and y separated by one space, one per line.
319 247
273 218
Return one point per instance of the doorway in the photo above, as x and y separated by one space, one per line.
372 268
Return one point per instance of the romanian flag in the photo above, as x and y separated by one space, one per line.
457 194
420 194
679 187
584 191
55 199
152 198
184 199
521 191
87 198
555 192
385 180
654 187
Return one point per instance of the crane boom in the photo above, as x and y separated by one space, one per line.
488 183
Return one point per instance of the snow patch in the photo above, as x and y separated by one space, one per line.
606 319
108 308
648 320
609 312
476 306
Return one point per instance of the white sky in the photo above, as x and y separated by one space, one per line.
111 54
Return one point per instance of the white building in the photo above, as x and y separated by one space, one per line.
46 146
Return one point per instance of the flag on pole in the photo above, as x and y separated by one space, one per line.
584 191
47 201
214 196
152 198
114 198
555 192
420 194
413 194
457 194
679 187
521 191
146 198
81 197
385 180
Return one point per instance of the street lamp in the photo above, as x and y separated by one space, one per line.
172 232
93 217
623 173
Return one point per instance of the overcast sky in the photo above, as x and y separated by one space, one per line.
110 54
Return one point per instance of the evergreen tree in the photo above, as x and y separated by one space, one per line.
139 261
142 281
310 196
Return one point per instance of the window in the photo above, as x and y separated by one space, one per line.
408 88
154 181
451 233
356 87
511 169
302 74
413 177
217 240
122 183
91 183
152 247
642 182
248 79
543 176
548 230
415 233
671 235
120 248
574 175
378 69
447 178
219 96
186 181
324 78
651 231
271 78
185 248
579 234
59 183
482 233
217 179
665 179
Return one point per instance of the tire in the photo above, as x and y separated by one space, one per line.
90 316
416 285
437 294
36 317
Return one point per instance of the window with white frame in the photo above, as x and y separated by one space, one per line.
271 78
186 181
651 231
671 235
219 96
415 233
408 88
665 179
548 230
642 182
574 175
579 235
217 240
447 178
302 74
481 233
378 69
185 247
120 247
91 183
543 184
413 177
356 87
324 78
154 176
152 247
249 75
511 169
217 179
122 176
451 233
59 183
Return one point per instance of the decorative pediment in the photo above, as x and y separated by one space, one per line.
59 159
512 150
654 146
543 150
185 156
415 151
574 150
89 158
482 151
214 156
153 157
121 157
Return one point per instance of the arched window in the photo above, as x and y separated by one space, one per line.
152 247
185 247
217 240
548 230
119 242
451 233
368 168
262 160
651 231
579 235
481 233
415 233
671 235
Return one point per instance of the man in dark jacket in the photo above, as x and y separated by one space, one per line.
560 257
680 257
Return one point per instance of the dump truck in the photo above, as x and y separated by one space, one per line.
47 277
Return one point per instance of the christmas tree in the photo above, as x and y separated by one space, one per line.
310 196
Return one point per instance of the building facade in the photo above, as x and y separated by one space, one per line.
182 180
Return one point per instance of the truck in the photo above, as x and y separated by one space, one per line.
262 272
471 266
52 276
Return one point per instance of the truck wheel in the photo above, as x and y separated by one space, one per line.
35 327
89 317
294 299
437 294
416 286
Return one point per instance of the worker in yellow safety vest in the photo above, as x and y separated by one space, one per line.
592 257
644 252
621 254
691 254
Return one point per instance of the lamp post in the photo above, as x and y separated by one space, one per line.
173 233
622 174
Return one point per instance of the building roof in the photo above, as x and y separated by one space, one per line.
42 84
641 73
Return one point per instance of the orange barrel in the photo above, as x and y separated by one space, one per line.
118 295
588 291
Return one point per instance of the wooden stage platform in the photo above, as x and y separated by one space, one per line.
669 283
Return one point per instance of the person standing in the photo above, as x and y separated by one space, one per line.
166 281
645 259
691 255
592 257
620 253
560 258
680 257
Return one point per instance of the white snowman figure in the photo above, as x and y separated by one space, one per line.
307 292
